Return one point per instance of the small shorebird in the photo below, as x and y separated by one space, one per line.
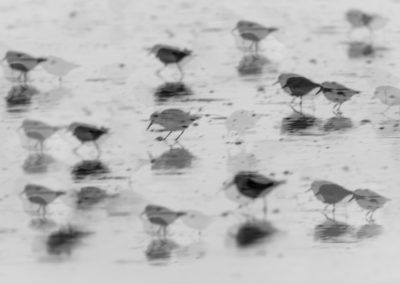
370 201
22 62
170 55
38 130
87 133
253 32
41 195
388 95
197 220
360 19
296 86
91 195
161 216
337 93
251 186
58 66
173 120
330 193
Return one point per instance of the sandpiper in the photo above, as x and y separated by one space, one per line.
22 62
337 93
370 201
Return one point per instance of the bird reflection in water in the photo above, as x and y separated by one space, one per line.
63 241
369 230
42 224
20 95
359 49
333 231
160 249
173 159
252 64
298 123
89 168
172 90
38 163
337 123
252 233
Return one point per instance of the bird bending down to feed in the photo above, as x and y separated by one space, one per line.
87 133
336 93
370 201
161 216
41 195
296 86
251 186
22 63
58 66
253 32
38 131
170 55
330 193
173 120
388 95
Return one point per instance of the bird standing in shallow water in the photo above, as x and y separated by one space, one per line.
330 193
253 32
38 130
170 55
161 216
336 93
173 120
360 19
370 201
388 95
22 62
296 86
58 66
251 186
41 195
87 133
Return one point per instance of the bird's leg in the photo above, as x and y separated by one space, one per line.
158 72
98 150
182 75
169 133
265 208
338 109
333 211
25 76
301 104
371 218
256 48
177 138
386 109
334 107
41 146
164 231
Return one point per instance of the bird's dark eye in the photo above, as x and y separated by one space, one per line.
18 55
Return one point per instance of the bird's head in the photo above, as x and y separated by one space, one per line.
284 77
12 55
316 186
154 49
72 126
41 59
154 118
31 188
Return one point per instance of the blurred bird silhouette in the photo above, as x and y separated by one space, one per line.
370 201
360 19
38 130
251 186
87 133
197 220
89 196
41 195
388 95
170 55
161 216
22 62
336 93
172 120
58 66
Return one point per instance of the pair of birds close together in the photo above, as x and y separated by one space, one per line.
40 131
331 194
299 86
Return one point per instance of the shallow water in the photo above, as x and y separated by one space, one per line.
116 86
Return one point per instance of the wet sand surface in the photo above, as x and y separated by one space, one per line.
116 86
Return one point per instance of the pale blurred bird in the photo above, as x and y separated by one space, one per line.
251 186
22 62
197 220
388 95
41 195
370 201
161 216
172 120
330 193
87 133
296 86
337 93
241 121
38 130
360 19
89 196
170 55
253 32
58 66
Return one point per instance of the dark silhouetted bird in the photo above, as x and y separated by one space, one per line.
22 62
170 55
370 201
336 93
87 133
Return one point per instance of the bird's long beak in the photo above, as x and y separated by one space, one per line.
308 190
150 124
319 91
277 81
227 184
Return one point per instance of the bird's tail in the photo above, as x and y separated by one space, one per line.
59 193
181 213
41 59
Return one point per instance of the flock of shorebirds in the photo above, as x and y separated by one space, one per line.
244 187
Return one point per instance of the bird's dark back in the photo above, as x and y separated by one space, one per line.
168 55
333 193
87 133
300 86
252 185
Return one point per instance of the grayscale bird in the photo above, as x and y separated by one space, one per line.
22 62
41 195
336 93
250 186
161 216
89 196
38 130
172 120
58 66
370 201
388 95
170 55
87 133
360 19
330 193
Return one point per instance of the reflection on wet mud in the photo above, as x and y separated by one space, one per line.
333 231
242 161
252 64
42 224
172 89
89 168
160 249
298 123
19 98
65 240
37 163
338 123
173 159
370 230
359 49
253 232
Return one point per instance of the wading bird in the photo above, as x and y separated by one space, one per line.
38 131
360 19
172 120
388 95
58 66
336 93
370 201
87 133
170 55
22 63
249 187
